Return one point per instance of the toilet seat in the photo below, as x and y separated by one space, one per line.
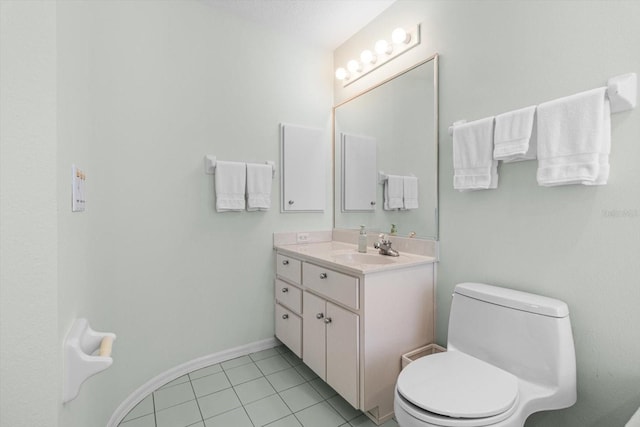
457 387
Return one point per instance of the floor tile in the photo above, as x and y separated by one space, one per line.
170 396
300 397
306 372
320 415
210 384
144 421
273 364
290 421
200 424
145 407
323 388
267 410
234 418
179 416
217 403
234 363
285 379
391 423
343 407
362 421
243 373
179 380
270 352
282 348
254 390
209 370
292 358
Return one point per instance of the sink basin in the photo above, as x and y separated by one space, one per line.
359 258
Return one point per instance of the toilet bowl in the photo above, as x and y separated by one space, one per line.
510 354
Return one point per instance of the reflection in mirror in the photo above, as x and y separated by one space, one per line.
358 173
394 127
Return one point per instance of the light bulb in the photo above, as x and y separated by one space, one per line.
367 57
399 35
354 66
342 74
383 47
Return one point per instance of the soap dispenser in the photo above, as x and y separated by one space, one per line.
362 240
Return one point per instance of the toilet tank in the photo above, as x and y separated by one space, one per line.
525 334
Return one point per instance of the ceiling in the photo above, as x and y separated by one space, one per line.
325 23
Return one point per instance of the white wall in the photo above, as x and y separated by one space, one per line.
579 244
144 91
30 365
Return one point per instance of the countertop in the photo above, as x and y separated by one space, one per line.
344 256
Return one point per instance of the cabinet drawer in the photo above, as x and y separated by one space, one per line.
288 268
337 286
289 296
289 329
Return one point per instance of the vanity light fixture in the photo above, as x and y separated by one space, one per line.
342 74
367 57
354 66
402 39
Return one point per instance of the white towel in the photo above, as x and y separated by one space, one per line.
473 163
515 136
574 139
393 192
410 188
259 178
230 185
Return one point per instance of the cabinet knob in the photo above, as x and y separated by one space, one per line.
285 262
290 202
285 316
285 290
323 275
327 320
319 315
373 203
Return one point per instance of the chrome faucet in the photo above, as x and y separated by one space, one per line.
384 246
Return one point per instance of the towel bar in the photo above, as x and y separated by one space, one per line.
622 91
210 165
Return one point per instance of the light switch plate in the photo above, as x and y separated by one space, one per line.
78 180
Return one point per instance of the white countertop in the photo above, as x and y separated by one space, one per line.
345 256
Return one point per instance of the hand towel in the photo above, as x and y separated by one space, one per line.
574 139
259 178
515 136
473 163
393 192
230 186
410 189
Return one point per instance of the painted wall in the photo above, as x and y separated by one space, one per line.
30 365
575 243
144 91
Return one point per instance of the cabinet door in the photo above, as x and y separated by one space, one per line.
343 361
313 331
304 156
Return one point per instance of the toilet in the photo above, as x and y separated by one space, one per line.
509 354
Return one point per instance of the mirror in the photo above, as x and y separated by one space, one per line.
397 119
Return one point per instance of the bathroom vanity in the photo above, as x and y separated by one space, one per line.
351 316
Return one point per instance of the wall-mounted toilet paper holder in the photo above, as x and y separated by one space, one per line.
86 352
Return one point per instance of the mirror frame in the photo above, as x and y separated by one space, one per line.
436 136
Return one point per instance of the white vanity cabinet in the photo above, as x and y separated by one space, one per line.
355 323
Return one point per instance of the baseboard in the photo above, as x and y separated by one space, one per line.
158 381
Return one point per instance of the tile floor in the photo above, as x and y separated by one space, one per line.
268 388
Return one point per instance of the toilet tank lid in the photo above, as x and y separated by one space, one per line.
518 300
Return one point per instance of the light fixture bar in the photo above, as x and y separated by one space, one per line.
379 55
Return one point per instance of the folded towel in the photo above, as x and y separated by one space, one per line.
393 192
515 136
410 188
574 139
473 163
230 184
259 179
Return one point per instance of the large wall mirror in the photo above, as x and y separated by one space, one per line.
386 155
